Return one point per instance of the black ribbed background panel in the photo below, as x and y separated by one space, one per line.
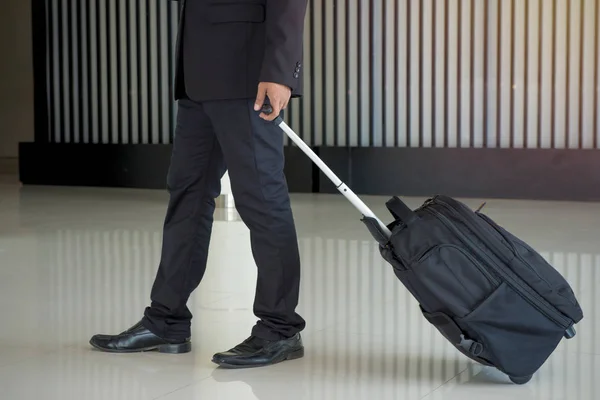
110 71
379 73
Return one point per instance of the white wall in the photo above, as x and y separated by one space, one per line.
16 76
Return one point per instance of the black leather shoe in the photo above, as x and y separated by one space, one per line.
255 352
137 339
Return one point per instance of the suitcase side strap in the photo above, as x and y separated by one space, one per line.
401 211
452 332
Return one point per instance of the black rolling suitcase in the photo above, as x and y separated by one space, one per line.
494 297
490 294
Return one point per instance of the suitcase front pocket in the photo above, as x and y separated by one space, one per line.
516 337
455 280
451 331
531 267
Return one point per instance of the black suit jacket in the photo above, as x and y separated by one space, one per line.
226 47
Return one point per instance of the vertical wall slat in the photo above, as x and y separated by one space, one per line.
430 73
414 48
86 117
175 12
519 40
384 71
460 61
133 89
546 62
562 67
49 28
575 126
54 82
582 42
433 59
465 41
113 72
341 69
320 63
472 59
586 74
143 65
352 74
376 79
530 85
596 88
153 71
506 68
402 44
336 101
329 75
596 72
70 70
163 71
76 63
103 65
490 74
408 89
540 46
453 71
63 87
347 71
486 72
440 68
427 73
310 87
93 71
478 76
123 73
364 63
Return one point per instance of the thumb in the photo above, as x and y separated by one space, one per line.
260 97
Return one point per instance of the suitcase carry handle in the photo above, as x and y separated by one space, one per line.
401 211
341 186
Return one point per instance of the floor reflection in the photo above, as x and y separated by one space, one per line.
76 261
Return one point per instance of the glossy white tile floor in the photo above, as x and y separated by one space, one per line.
74 262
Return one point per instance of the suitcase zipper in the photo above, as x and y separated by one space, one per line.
513 248
534 298
490 277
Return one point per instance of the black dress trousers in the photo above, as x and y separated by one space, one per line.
211 137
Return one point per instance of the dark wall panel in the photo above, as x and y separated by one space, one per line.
110 70
400 89
123 165
476 173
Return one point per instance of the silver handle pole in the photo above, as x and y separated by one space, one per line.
341 186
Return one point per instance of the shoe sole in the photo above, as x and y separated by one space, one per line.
179 348
292 356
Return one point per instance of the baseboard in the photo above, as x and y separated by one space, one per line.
489 173
129 166
534 174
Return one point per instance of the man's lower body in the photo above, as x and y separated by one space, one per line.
210 138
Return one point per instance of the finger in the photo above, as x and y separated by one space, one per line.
281 101
260 98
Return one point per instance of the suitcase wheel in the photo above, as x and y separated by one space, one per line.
521 380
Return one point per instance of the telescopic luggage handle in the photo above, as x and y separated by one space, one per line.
341 186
